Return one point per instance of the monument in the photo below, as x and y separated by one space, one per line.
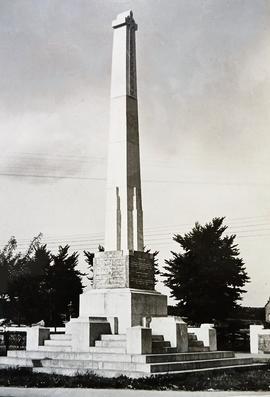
124 216
123 326
123 275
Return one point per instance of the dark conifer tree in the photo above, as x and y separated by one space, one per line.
89 259
155 257
207 277
63 284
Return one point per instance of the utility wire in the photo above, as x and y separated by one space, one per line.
152 232
152 242
86 157
159 181
51 176
97 240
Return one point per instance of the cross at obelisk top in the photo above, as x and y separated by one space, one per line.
124 216
126 19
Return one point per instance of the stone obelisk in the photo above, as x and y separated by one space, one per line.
124 216
124 264
123 275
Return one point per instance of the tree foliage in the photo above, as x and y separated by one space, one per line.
39 285
89 259
64 285
155 258
207 277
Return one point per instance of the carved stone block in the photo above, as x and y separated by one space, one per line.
117 269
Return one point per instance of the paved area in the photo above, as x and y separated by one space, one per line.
24 392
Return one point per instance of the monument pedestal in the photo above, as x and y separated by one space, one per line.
128 305
123 269
123 288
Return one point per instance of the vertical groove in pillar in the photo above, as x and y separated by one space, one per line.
118 218
135 218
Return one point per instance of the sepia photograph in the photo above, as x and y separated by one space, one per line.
134 198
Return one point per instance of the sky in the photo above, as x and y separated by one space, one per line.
204 95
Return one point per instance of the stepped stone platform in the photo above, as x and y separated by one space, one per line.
109 358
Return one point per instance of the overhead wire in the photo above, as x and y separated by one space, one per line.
158 232
159 181
15 170
94 245
153 232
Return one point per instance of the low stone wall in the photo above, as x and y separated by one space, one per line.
12 338
264 343
259 339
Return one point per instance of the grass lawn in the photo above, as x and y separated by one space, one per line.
243 380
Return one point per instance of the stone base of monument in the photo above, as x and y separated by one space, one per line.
110 358
140 352
128 306
123 331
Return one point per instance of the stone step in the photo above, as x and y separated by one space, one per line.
60 363
37 354
215 369
57 330
61 371
102 349
91 365
169 350
109 365
188 365
55 348
57 342
122 357
133 374
111 343
154 358
96 356
83 371
60 337
157 338
6 362
121 337
161 343
195 343
98 319
161 347
198 349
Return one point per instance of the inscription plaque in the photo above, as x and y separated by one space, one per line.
117 269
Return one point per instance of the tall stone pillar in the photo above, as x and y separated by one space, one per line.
124 215
123 275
